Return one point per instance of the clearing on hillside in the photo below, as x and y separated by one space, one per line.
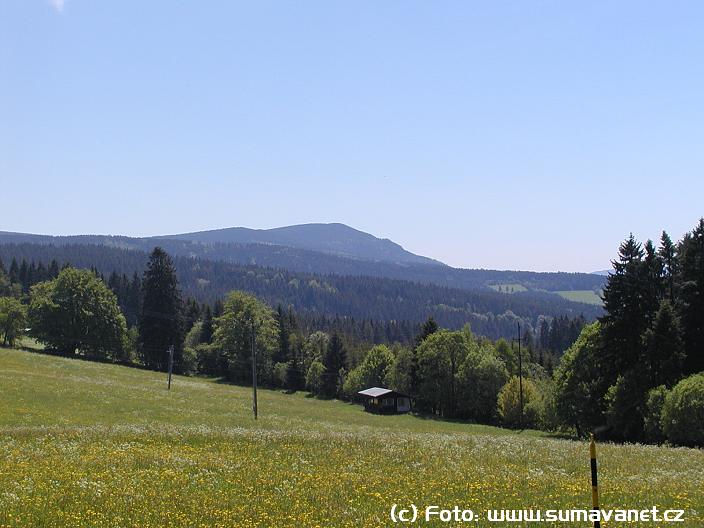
87 444
583 296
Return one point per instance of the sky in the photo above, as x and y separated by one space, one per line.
507 135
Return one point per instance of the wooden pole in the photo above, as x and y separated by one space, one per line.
595 486
171 363
520 375
254 372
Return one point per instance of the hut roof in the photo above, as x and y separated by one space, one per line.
376 392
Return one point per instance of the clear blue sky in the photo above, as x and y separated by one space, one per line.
521 135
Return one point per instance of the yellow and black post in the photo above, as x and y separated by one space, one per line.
595 486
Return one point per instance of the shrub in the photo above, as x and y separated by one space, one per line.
509 403
189 361
314 377
682 417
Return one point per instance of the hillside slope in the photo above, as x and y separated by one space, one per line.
88 444
361 297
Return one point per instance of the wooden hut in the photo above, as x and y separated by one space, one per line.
385 401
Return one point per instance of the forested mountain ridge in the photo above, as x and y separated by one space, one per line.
335 239
362 297
298 259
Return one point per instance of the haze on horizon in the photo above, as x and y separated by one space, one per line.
485 135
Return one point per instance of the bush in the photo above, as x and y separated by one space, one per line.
509 406
189 361
546 405
211 361
314 377
682 417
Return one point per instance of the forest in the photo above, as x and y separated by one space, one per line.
313 296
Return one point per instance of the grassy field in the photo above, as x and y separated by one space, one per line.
583 296
86 444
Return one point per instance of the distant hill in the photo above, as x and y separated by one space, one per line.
328 249
604 273
335 239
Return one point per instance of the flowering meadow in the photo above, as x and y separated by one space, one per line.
86 444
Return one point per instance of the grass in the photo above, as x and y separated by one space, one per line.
508 288
583 296
87 444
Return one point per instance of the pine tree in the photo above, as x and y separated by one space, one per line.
53 269
429 327
206 331
667 253
282 352
334 360
625 319
24 276
664 354
160 323
691 303
14 274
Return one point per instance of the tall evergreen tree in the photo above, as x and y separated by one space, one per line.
14 273
282 352
206 330
160 323
691 307
625 319
53 269
668 256
334 360
662 344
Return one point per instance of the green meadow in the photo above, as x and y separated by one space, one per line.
92 445
583 296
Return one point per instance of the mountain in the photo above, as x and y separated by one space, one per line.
335 239
339 250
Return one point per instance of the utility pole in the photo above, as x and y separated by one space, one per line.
520 375
254 370
171 363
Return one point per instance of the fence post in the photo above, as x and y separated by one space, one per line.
595 485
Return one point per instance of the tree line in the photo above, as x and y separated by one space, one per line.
637 373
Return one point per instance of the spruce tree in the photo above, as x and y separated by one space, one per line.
667 254
664 354
14 273
334 360
282 352
690 262
53 269
160 322
625 319
206 330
